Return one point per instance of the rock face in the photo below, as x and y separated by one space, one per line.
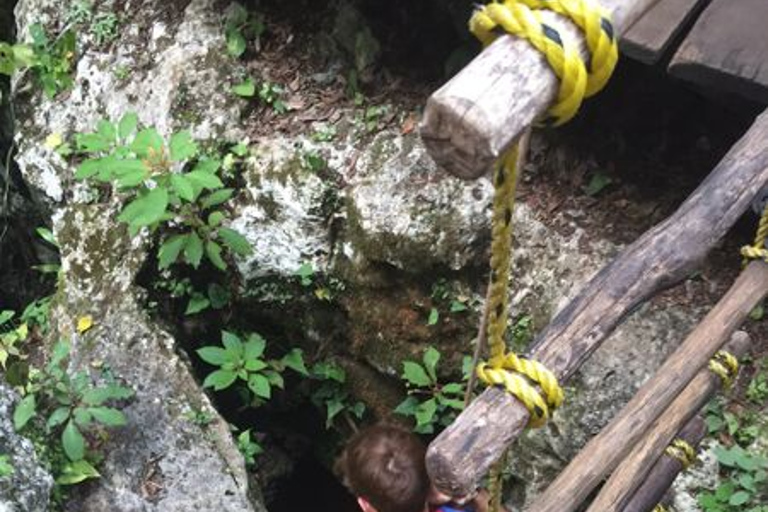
162 460
28 488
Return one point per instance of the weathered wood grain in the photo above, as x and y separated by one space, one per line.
604 451
626 484
727 49
473 118
650 37
665 470
459 457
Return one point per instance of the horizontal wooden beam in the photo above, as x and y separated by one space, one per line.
473 118
462 454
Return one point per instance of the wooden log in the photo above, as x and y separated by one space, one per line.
604 451
459 457
628 476
727 49
651 37
665 470
474 117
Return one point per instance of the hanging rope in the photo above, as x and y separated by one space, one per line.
528 380
682 451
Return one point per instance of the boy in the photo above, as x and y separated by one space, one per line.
384 467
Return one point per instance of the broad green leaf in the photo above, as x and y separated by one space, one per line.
216 198
597 183
295 361
216 356
218 295
246 89
24 411
97 396
193 251
453 388
431 357
92 142
458 306
82 417
415 374
204 179
106 130
6 315
58 417
739 498
233 344
90 167
127 125
147 209
182 147
208 165
197 303
434 316
260 386
146 140
254 346
236 242
76 472
169 251
73 442
425 412
215 219
254 365
235 43
59 353
213 251
332 408
183 187
453 403
108 416
220 379
237 15
275 379
408 406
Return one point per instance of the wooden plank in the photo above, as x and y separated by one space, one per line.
628 476
650 38
473 118
604 451
665 470
459 457
727 49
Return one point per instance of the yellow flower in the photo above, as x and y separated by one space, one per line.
53 141
84 323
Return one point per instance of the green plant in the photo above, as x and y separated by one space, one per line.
199 417
241 26
597 183
430 402
306 274
71 405
6 468
324 133
240 360
444 296
167 184
10 337
271 94
50 61
248 447
522 332
332 395
80 12
757 390
104 27
744 489
215 295
313 161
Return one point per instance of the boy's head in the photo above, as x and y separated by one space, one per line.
383 466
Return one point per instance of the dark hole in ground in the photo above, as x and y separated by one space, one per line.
312 488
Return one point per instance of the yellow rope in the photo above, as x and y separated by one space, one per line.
682 451
758 251
529 381
726 366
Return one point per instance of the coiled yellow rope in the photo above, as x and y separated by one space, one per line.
726 366
682 451
758 251
529 381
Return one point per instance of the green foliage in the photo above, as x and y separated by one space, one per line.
169 184
332 395
11 337
744 489
240 26
248 447
69 407
244 360
269 94
757 390
313 161
6 468
324 133
522 332
51 61
80 12
214 296
445 297
104 27
431 403
597 183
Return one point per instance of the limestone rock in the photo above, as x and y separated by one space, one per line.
28 488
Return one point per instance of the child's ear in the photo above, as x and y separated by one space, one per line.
367 507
